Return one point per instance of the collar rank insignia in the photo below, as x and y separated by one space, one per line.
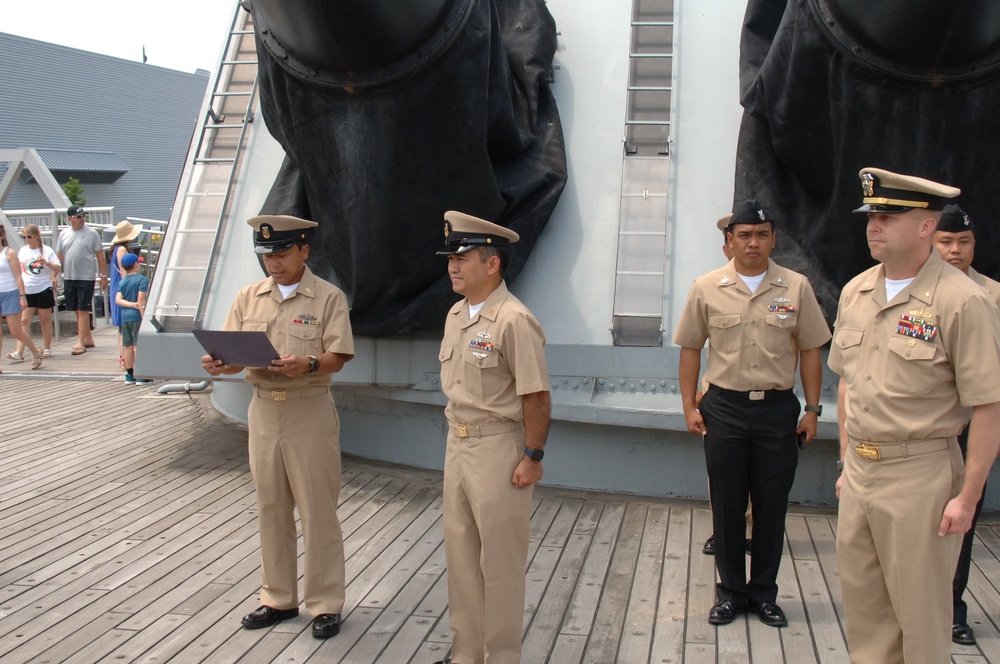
917 325
481 344
781 281
725 280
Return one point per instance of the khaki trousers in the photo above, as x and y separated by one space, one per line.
895 572
486 527
295 461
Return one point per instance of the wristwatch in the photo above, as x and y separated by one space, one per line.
313 364
534 455
815 409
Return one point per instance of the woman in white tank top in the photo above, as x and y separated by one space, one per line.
12 297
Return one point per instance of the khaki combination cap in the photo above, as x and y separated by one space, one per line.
273 233
892 193
463 232
723 223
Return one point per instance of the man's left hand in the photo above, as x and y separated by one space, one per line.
807 425
528 472
290 365
957 517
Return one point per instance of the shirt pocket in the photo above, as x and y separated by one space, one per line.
305 339
778 333
910 366
481 372
724 332
848 341
447 366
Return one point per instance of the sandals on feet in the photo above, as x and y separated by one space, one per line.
14 355
36 361
46 353
77 350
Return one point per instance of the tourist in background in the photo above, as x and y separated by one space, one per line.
39 269
12 297
125 232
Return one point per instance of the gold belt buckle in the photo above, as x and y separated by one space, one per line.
462 430
756 395
867 451
278 395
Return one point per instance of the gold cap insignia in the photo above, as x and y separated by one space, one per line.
868 184
265 231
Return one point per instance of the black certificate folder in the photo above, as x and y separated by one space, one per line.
238 349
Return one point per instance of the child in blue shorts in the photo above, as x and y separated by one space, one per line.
131 297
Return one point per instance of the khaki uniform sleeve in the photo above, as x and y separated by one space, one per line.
692 329
811 330
337 335
974 349
524 345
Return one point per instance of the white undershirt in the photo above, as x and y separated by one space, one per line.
753 282
474 309
893 286
286 290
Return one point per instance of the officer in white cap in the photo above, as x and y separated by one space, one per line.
494 373
916 343
293 424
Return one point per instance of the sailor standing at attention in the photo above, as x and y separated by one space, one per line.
293 424
494 374
756 316
955 241
916 344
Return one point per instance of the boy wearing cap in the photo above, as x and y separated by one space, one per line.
916 344
955 241
494 373
293 424
755 314
131 297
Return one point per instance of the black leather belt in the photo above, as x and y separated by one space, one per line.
752 395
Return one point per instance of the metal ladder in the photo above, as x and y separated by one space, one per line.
202 206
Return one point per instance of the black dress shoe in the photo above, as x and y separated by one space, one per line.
265 616
443 661
962 634
748 546
770 614
326 625
709 548
724 613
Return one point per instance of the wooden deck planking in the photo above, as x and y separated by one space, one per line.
131 537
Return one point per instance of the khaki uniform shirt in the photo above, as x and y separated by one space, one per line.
909 365
490 361
751 335
991 287
312 320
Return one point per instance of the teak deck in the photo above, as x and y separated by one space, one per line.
128 534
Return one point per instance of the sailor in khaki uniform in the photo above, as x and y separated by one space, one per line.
293 424
494 374
955 241
754 313
915 343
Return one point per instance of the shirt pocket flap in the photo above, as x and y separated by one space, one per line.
445 353
848 336
305 332
724 321
481 359
781 320
254 326
920 350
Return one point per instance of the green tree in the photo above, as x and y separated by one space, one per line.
74 191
